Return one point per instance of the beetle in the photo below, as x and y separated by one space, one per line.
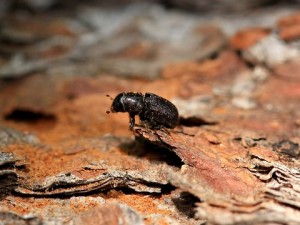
154 111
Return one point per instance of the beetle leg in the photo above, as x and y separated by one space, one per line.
132 121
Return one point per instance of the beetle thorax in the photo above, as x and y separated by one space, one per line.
132 103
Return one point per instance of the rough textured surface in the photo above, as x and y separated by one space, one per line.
225 181
233 158
122 214
8 174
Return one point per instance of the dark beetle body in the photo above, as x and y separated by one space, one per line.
153 110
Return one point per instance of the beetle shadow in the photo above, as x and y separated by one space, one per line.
194 121
143 148
185 204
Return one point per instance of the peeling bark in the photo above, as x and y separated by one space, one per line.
151 181
225 183
8 173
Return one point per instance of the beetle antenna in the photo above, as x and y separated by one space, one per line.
109 97
109 111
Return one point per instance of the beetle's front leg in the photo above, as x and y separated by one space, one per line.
131 121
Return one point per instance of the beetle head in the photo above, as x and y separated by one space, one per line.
118 104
